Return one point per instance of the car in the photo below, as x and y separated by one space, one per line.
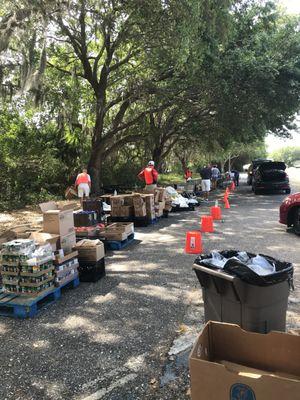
271 176
289 212
252 167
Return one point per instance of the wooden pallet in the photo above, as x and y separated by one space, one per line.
18 306
138 221
118 245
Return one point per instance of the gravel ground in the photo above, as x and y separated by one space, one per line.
119 339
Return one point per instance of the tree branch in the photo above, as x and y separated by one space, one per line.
64 71
123 61
122 142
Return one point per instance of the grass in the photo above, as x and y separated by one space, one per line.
172 177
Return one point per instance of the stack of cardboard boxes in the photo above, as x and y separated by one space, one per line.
59 231
59 220
159 200
26 269
91 255
148 204
66 268
122 206
139 205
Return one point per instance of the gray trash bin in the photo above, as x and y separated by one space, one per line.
229 299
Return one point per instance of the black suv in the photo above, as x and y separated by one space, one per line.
270 176
254 164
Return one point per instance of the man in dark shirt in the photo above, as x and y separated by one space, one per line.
205 174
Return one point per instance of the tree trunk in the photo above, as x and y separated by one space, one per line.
156 156
222 166
95 169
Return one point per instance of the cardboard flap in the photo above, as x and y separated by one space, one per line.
272 351
67 206
49 205
52 206
254 373
88 243
42 237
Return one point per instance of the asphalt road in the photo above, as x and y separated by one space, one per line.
112 339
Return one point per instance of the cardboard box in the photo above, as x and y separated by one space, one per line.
125 227
42 238
230 363
159 208
128 200
67 242
140 211
114 235
160 194
90 250
58 219
116 201
150 210
117 231
139 205
60 260
168 203
124 211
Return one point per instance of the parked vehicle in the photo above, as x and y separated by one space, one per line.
252 167
289 212
271 176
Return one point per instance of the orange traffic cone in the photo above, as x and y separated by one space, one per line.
232 186
216 213
227 205
207 224
193 242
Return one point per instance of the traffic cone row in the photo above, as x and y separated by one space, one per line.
193 243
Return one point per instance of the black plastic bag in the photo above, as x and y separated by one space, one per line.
284 270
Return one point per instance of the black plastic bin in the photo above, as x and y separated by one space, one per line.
93 205
91 271
85 218
255 308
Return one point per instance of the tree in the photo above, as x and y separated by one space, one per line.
290 155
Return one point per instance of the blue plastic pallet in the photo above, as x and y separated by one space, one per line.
118 245
16 306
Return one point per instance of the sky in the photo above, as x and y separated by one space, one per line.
272 142
292 6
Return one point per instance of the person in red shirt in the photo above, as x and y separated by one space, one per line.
188 175
149 175
83 184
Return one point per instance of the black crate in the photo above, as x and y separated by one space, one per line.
93 205
91 271
85 218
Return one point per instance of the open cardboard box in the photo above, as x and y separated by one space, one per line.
57 218
125 227
230 363
42 238
90 250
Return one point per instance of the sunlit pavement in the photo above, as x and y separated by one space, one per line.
117 339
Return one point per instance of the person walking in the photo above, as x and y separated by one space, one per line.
215 175
205 174
83 184
236 178
149 175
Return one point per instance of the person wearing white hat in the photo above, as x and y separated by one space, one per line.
149 175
